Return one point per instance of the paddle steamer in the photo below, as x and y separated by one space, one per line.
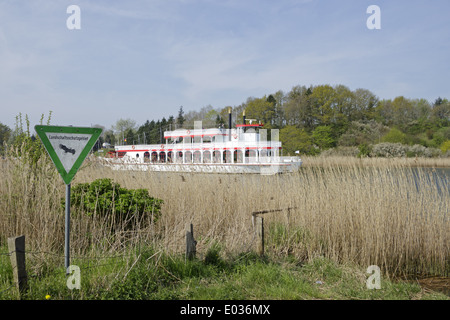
243 149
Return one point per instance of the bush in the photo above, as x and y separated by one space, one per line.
401 150
103 197
388 150
364 150
417 150
445 146
394 136
440 137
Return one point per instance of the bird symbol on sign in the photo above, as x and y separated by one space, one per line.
72 151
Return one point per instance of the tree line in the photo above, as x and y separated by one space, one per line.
316 118
311 120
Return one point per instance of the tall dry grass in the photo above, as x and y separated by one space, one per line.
364 213
347 161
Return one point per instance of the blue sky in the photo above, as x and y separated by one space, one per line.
144 59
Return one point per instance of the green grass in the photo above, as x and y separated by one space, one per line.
155 275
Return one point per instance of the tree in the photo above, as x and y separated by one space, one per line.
403 111
223 116
261 109
276 114
180 118
297 108
296 139
363 133
364 105
279 99
122 128
323 104
151 136
322 136
219 121
171 122
210 116
422 109
109 137
441 113
129 136
343 109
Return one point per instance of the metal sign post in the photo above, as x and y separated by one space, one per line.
67 236
67 147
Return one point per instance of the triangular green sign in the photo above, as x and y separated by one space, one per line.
68 146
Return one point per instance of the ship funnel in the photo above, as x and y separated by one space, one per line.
229 124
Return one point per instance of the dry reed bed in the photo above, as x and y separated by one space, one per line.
343 161
362 214
370 214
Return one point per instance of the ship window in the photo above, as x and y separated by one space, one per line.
227 156
216 156
179 157
170 156
207 139
162 157
238 156
250 156
197 157
188 157
154 156
206 157
146 156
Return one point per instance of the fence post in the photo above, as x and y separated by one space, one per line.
259 225
190 242
16 247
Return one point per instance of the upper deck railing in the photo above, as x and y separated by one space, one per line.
227 145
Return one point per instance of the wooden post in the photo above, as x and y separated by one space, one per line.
259 225
16 247
190 242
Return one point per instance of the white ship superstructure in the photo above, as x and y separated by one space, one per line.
244 149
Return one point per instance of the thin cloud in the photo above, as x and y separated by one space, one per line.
143 59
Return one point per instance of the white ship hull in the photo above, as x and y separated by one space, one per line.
290 164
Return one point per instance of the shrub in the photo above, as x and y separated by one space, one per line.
364 150
103 197
417 150
394 136
388 150
445 146
401 150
